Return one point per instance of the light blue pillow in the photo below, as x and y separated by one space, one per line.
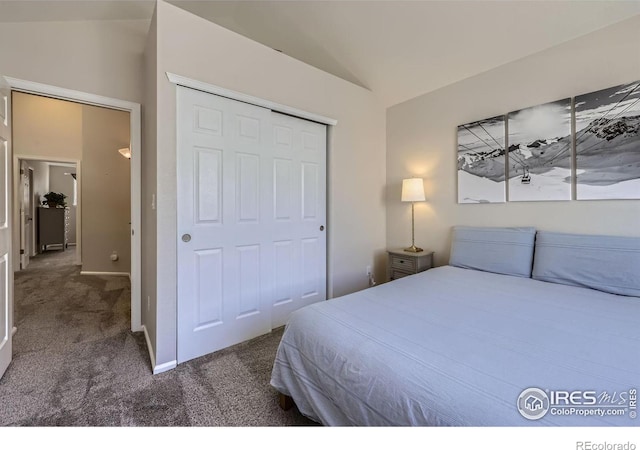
606 263
500 250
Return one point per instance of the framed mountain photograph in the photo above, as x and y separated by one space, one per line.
608 143
539 152
481 156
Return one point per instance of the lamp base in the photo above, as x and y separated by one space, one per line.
413 249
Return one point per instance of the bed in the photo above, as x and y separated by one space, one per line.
542 323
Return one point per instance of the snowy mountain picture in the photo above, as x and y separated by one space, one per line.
539 152
481 158
608 143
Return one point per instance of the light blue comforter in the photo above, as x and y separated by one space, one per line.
454 346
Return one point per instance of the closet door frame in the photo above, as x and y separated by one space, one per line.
239 96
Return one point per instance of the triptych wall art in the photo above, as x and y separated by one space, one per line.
531 150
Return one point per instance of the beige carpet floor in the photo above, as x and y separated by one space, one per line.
76 363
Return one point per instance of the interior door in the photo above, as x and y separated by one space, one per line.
6 272
251 217
25 215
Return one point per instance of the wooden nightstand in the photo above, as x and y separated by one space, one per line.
403 263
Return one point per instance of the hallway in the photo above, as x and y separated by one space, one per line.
56 307
73 336
76 362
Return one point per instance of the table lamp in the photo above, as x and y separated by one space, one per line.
413 191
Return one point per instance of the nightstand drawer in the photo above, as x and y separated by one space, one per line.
395 274
399 262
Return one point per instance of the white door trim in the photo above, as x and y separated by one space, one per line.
135 146
6 230
224 92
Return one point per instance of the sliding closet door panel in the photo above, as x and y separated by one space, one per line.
251 217
224 209
299 212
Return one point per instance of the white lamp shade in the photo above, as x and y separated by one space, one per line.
413 190
125 152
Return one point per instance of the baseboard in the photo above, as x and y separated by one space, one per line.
13 331
113 274
162 367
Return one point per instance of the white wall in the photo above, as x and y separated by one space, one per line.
46 127
106 190
99 57
60 182
421 141
198 49
40 180
149 180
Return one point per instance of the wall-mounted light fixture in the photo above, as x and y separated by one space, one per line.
126 152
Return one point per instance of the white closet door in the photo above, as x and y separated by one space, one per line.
299 213
251 216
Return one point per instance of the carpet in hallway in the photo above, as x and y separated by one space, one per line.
76 363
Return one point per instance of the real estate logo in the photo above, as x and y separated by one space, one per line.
533 403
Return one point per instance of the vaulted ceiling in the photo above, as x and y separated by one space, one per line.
398 49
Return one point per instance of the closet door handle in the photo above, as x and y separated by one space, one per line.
186 237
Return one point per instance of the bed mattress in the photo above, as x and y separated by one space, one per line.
458 347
